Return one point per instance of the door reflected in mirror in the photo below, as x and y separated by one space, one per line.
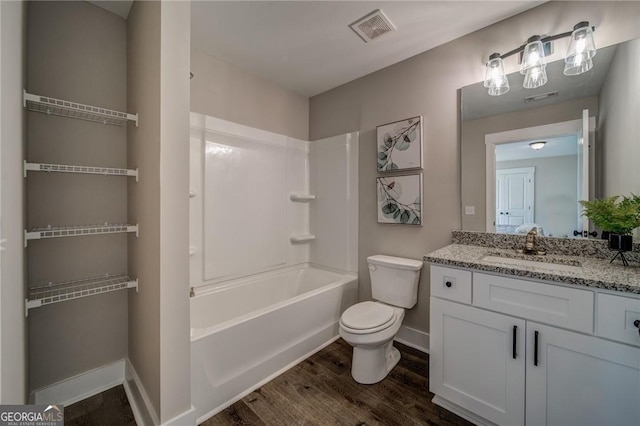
496 133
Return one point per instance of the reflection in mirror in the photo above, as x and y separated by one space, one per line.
496 132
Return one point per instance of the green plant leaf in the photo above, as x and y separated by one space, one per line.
609 214
404 216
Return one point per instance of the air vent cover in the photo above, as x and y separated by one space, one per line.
540 97
372 26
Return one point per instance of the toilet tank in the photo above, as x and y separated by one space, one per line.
394 280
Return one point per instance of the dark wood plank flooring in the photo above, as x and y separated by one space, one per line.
321 391
109 408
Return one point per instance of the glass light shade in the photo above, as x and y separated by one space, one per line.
533 56
537 145
535 77
577 68
581 50
495 78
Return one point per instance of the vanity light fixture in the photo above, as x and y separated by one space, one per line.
537 145
578 60
495 79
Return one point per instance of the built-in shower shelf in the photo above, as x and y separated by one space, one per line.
91 170
304 238
63 291
77 231
302 198
52 106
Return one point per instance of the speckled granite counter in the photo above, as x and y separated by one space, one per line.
595 272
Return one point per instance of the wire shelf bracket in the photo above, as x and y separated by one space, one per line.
53 106
90 170
63 291
77 231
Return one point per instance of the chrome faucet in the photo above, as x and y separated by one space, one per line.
530 243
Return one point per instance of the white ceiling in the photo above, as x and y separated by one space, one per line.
555 147
307 46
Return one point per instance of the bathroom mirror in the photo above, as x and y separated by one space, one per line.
525 186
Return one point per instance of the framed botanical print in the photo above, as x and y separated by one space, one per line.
400 145
400 199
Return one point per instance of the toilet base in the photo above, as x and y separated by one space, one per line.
372 364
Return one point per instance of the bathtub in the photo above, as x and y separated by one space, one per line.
248 331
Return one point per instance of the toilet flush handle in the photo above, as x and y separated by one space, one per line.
372 267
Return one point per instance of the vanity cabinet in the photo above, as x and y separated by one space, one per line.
514 351
575 379
472 362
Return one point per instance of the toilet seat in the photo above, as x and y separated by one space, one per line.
367 318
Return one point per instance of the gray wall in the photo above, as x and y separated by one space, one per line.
473 148
143 85
224 91
77 52
158 87
427 85
13 324
619 124
555 192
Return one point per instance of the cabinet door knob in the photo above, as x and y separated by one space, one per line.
448 284
637 324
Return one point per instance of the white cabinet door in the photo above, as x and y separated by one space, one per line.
580 380
474 362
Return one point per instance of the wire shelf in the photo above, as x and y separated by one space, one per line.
77 231
53 106
90 170
68 290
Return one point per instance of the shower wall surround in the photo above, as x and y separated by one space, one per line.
262 201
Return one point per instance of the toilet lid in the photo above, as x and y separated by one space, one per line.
367 315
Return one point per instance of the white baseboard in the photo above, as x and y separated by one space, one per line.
413 338
462 412
89 383
186 418
143 410
84 385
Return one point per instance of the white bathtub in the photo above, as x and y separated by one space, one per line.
251 330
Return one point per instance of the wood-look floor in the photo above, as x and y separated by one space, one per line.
321 391
109 408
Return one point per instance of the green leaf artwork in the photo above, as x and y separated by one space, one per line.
399 199
400 145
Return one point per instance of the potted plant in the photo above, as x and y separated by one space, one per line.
619 216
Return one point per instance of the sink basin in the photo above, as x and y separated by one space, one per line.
546 264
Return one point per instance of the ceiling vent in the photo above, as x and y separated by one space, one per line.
540 97
372 26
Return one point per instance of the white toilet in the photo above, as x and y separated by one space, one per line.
371 326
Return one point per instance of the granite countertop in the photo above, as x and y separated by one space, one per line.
595 272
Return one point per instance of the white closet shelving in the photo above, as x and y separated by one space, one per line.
77 231
52 106
61 291
90 170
